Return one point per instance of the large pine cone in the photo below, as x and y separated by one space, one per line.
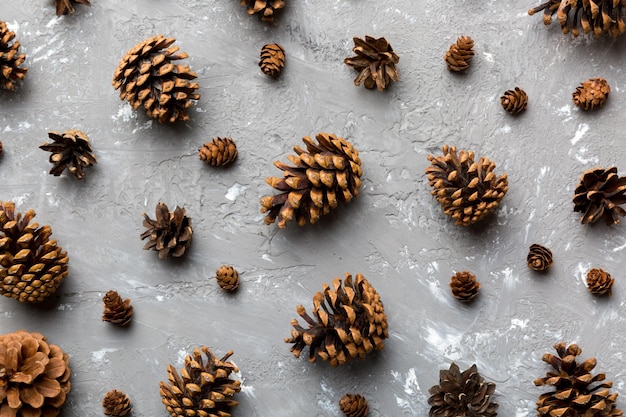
539 257
597 16
265 8
349 322
147 77
170 234
599 282
599 194
116 310
324 175
464 286
32 266
116 404
467 190
376 62
71 149
66 7
573 390
591 94
514 101
220 152
462 394
354 405
10 59
201 389
34 375
460 54
272 59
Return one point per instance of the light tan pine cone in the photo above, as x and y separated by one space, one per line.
459 54
591 94
220 152
227 278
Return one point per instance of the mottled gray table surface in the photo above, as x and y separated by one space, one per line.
394 233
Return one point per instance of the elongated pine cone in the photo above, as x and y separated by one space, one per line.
354 405
376 62
10 59
599 282
539 257
349 322
116 404
265 8
597 16
599 194
146 76
227 278
34 375
72 150
464 286
170 233
116 310
202 388
220 152
460 54
322 176
462 394
573 392
514 101
591 94
66 7
467 190
32 266
272 59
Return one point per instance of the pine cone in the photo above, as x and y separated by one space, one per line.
354 405
221 152
65 6
170 233
1 149
591 94
459 54
70 149
201 389
464 286
265 8
116 404
376 62
147 77
350 322
539 257
227 278
272 59
599 195
599 282
10 59
467 190
32 266
462 394
514 101
598 16
572 391
116 310
34 375
325 174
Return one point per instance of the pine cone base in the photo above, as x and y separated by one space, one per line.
72 150
599 195
539 258
514 101
170 233
376 62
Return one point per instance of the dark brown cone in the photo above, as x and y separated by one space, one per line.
1 148
147 77
598 16
32 266
539 257
66 7
34 375
459 54
10 59
322 176
116 310
220 152
599 282
265 8
227 278
464 286
202 388
116 404
72 150
467 190
514 101
170 234
354 405
573 392
376 62
591 94
348 322
272 59
599 194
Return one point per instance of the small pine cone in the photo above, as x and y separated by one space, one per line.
72 150
10 59
170 233
272 59
116 404
464 286
146 76
354 405
599 194
265 8
460 53
591 94
599 282
220 152
539 257
227 278
376 62
1 148
116 310
66 7
514 101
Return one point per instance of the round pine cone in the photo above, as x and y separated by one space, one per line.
116 404
227 278
10 59
514 101
354 405
72 150
539 257
599 282
464 286
34 375
272 59
170 234
376 62
599 194
591 94
265 8
116 310
220 152
459 54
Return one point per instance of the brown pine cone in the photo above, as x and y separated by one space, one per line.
599 282
539 257
116 310
1 148
354 405
591 94
170 233
272 59
599 194
221 152
464 286
10 59
514 101
72 150
227 278
265 8
460 53
116 404
65 6
376 62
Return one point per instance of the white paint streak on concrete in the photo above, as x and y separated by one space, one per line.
411 386
124 112
235 191
99 356
580 132
248 390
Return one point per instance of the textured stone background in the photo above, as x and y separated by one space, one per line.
394 233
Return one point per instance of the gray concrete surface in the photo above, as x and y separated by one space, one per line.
394 233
